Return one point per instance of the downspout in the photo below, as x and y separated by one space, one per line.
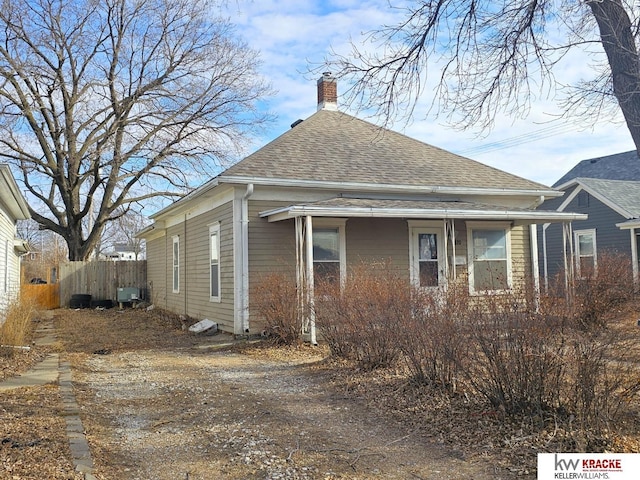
244 219
185 265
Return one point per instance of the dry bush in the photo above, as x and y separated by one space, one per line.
275 299
360 320
516 357
17 327
596 298
602 385
604 294
433 338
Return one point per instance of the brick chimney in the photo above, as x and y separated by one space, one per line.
327 92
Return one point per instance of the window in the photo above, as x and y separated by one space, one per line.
176 264
489 257
428 259
214 262
328 252
5 275
426 253
586 255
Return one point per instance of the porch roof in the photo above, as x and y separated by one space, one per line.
425 209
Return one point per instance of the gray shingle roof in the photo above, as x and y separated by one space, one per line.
331 146
620 166
624 194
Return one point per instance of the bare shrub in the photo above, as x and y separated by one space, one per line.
604 293
597 296
359 320
516 357
275 299
434 341
603 382
17 327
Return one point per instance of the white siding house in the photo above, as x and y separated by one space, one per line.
13 207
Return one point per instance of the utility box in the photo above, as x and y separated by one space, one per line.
128 294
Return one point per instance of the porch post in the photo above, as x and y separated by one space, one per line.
309 279
452 230
446 249
634 255
300 274
544 257
567 237
535 266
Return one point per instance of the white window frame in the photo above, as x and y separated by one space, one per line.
506 228
578 255
415 229
6 267
340 224
175 266
214 230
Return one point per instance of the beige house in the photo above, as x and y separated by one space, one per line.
335 191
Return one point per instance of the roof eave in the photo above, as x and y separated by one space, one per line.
12 197
535 216
629 224
376 187
193 195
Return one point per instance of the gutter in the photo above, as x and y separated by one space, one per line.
303 210
375 187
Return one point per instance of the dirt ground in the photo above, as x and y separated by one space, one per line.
160 403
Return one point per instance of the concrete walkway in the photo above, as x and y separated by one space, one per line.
50 370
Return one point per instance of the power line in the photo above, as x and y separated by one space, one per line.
528 137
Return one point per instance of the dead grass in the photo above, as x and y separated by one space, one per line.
33 440
87 331
33 435
17 328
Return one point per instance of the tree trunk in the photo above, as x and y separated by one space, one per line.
619 45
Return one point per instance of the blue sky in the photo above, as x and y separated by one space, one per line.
292 34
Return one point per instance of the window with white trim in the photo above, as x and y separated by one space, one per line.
489 257
586 251
426 252
176 264
6 267
214 262
328 251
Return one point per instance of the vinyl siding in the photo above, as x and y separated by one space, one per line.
9 263
370 240
197 262
157 271
272 246
193 298
520 256
603 219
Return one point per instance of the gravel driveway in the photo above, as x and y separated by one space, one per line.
189 414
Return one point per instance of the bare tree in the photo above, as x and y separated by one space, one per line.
108 103
493 56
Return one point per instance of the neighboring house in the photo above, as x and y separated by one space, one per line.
13 207
122 252
332 192
607 189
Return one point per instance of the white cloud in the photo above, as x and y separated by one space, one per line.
291 34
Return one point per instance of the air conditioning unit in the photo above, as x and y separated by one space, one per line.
128 294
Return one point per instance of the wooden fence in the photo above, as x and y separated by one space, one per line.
47 296
101 279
